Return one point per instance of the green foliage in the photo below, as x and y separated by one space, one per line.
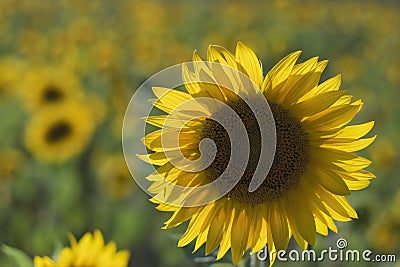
18 256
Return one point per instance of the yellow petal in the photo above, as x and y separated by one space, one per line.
195 225
157 158
305 67
353 165
344 100
248 59
331 118
280 72
190 81
357 185
217 53
331 84
300 217
348 145
321 226
210 85
321 65
171 95
201 239
239 234
360 175
356 131
332 204
166 140
215 232
316 103
279 226
226 238
262 227
173 122
331 181
181 215
349 209
300 86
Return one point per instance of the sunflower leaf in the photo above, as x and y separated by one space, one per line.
19 256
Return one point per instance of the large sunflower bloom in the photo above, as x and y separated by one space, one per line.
313 168
89 251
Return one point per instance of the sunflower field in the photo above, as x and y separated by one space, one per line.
68 70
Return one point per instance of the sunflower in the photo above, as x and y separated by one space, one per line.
57 133
47 86
11 71
313 167
114 177
90 251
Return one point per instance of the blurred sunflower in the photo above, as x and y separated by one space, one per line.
49 86
11 71
115 179
89 251
313 168
384 233
57 133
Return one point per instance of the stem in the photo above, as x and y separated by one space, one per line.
253 260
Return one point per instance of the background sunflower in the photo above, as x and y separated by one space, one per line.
50 85
57 133
110 48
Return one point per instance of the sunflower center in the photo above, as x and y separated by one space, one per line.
52 94
57 132
290 159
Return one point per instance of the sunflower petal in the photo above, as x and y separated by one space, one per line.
316 103
181 215
331 181
281 71
356 131
195 225
219 54
201 239
331 118
239 235
301 218
279 227
157 158
261 240
215 232
248 59
348 145
227 229
172 96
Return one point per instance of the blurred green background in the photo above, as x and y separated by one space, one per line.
63 173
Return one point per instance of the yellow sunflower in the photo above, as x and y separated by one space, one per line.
47 86
90 251
11 71
313 167
57 133
115 179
